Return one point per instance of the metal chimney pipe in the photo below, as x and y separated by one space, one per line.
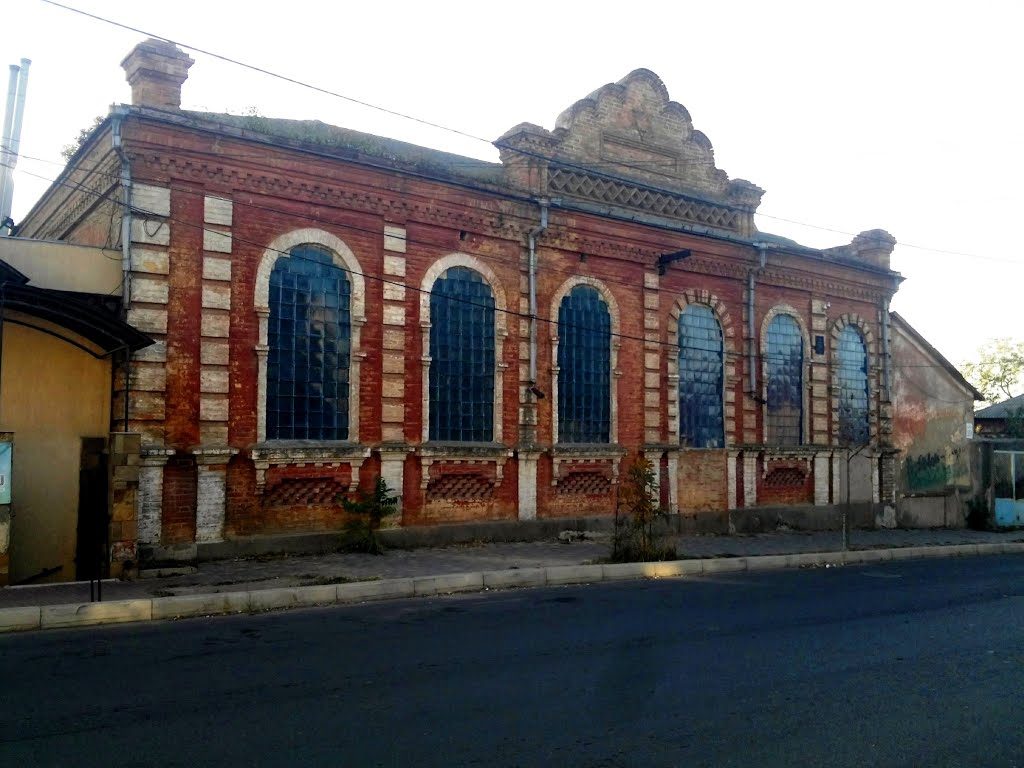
5 138
15 141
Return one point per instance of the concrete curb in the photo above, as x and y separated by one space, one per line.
221 603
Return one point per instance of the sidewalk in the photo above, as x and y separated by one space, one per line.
245 575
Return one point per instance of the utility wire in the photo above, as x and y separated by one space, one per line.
763 355
455 131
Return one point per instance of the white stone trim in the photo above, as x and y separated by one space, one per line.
150 200
821 478
613 352
217 210
149 500
730 478
527 463
343 257
431 276
749 479
771 314
673 481
394 238
211 492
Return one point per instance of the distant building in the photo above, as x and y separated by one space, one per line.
1001 419
497 340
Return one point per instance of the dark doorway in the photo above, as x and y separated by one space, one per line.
90 554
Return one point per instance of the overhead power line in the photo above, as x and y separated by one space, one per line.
762 355
455 131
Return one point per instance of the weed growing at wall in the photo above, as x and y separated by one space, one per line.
364 515
638 537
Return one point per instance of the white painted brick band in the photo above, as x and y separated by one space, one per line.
210 497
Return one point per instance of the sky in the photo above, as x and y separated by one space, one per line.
900 115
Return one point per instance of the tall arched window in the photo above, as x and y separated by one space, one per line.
309 347
852 375
461 379
584 363
701 422
784 365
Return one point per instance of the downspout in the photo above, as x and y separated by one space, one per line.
762 252
126 243
532 279
126 209
886 352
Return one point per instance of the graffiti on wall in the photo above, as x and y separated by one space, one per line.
936 471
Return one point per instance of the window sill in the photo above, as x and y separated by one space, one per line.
308 450
439 450
587 450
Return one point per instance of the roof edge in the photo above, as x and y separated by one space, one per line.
943 361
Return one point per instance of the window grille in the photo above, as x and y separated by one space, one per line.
461 357
701 414
309 338
584 367
852 367
784 363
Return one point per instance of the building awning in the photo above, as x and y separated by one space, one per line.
61 310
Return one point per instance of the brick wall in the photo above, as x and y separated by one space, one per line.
702 481
178 519
194 288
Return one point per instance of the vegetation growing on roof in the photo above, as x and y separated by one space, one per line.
68 150
320 135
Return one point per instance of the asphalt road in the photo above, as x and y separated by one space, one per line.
909 664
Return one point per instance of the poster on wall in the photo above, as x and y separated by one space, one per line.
5 471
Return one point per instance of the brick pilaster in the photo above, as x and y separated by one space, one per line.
393 365
819 384
146 294
214 377
754 371
652 362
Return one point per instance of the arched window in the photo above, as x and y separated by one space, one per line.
852 375
784 365
461 378
309 347
584 363
701 422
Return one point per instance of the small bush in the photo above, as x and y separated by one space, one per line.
364 515
636 538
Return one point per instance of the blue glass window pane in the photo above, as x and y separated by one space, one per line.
461 380
307 376
584 363
852 370
784 363
701 365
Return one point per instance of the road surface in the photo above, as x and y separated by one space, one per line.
907 664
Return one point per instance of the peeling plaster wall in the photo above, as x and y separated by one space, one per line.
931 410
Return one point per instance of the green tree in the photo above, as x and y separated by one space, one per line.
998 369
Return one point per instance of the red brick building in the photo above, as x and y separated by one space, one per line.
495 339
